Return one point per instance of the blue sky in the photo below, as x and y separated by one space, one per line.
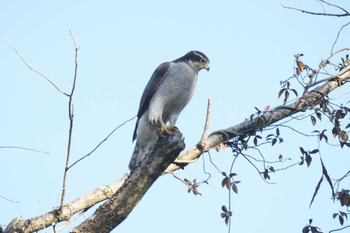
250 46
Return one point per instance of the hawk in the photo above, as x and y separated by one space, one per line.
167 93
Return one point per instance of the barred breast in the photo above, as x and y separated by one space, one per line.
173 94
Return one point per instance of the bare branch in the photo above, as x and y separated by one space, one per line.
71 120
338 34
345 14
7 199
321 66
105 139
335 6
339 229
66 212
35 70
24 148
206 125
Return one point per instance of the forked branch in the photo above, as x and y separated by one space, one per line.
345 13
71 120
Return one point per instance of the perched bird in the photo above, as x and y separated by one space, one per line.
167 93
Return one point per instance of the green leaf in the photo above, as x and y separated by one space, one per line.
280 157
295 92
281 92
273 141
226 182
319 115
344 214
314 151
344 136
266 174
325 138
255 141
306 229
286 96
335 131
234 188
313 120
341 220
308 160
328 178
316 190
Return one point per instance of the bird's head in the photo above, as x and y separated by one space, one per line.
196 59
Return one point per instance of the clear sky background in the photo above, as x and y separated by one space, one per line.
250 45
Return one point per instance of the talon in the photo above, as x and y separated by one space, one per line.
164 128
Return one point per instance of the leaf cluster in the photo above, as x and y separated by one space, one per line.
309 228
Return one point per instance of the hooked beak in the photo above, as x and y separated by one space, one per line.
207 66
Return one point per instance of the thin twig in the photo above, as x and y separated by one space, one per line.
24 148
205 171
189 186
206 125
338 34
105 139
346 13
339 229
5 198
257 169
337 182
71 120
212 163
35 70
322 65
335 6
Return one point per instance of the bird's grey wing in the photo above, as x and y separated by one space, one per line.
152 86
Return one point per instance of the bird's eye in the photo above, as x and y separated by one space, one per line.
201 60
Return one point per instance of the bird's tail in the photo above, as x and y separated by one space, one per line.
137 155
135 134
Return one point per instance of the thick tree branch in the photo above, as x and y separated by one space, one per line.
116 210
122 201
65 212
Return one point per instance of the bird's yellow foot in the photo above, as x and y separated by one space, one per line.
166 129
